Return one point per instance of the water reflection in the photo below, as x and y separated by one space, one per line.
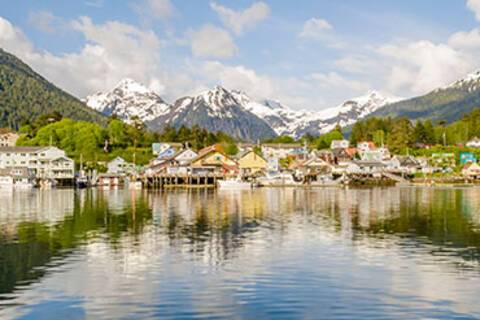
363 253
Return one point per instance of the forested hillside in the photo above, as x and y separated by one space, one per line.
25 95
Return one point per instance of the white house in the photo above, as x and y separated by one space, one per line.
340 144
474 143
120 166
283 150
365 146
8 139
46 162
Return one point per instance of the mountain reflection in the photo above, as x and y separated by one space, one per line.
39 229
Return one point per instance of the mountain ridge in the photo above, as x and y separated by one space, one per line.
25 95
229 111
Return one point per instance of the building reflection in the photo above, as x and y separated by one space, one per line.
39 227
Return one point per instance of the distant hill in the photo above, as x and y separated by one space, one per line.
448 103
25 95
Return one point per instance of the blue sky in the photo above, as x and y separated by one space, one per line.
308 54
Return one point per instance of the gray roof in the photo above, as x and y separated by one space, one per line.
21 149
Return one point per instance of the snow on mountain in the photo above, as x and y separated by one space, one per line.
470 82
286 121
232 112
216 110
345 114
129 99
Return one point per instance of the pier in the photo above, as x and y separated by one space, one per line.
182 181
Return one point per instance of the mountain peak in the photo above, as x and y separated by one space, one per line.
470 81
130 85
129 98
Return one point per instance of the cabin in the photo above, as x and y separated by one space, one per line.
474 143
340 144
250 163
210 160
8 139
120 166
471 170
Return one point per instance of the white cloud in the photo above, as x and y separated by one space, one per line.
239 21
422 65
212 42
112 51
465 40
335 80
239 78
160 9
12 39
474 6
315 28
45 21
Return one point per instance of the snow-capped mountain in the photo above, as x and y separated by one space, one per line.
345 114
286 121
129 99
216 110
470 82
232 112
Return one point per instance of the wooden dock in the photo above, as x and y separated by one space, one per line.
163 181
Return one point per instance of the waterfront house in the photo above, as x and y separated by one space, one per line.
45 162
364 146
250 163
242 147
15 176
366 167
110 180
343 155
211 160
120 166
471 170
379 154
466 157
474 143
408 164
283 150
8 139
313 166
325 155
340 144
177 164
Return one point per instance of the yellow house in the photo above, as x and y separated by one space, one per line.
216 161
250 163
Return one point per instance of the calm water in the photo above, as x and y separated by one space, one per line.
400 253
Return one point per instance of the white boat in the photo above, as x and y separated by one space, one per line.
234 184
279 180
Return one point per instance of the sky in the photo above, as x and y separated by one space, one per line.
307 54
